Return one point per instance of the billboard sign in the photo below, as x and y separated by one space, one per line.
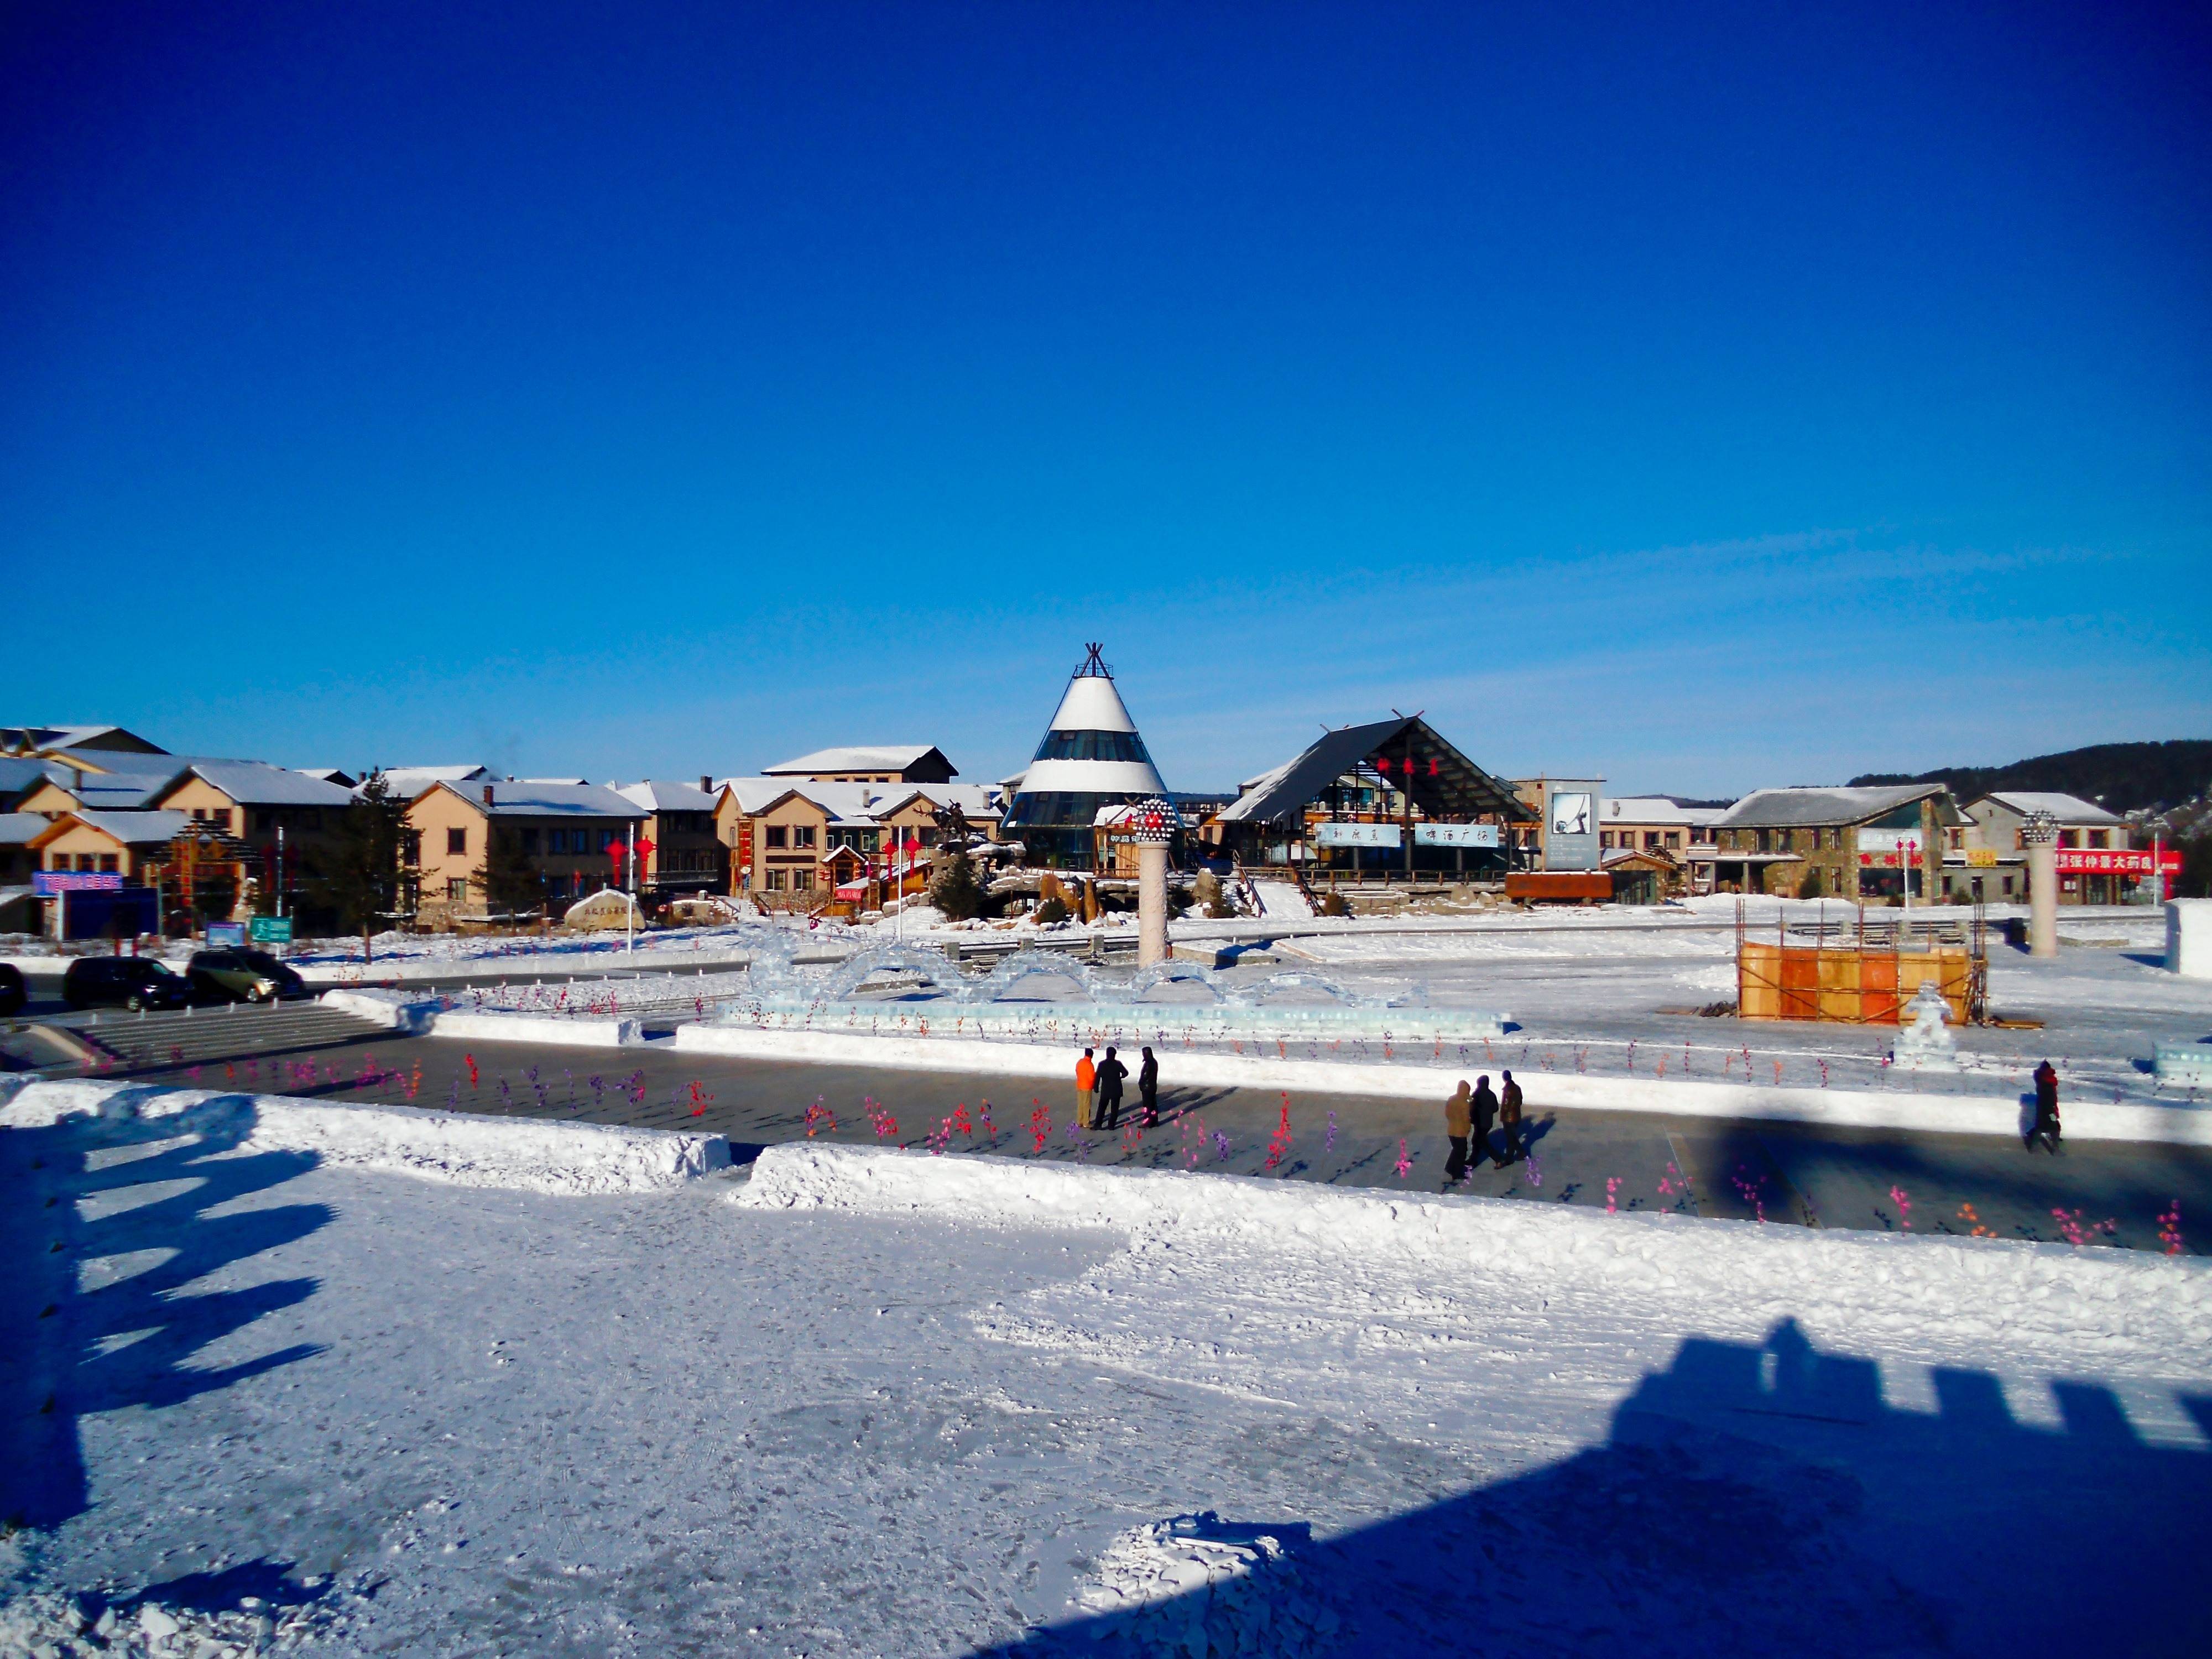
1455 835
1888 841
1570 814
226 933
2114 862
47 883
1359 834
270 930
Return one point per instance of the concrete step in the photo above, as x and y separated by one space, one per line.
206 1034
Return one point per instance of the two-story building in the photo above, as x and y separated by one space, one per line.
565 831
1871 844
286 817
784 841
687 855
1987 860
1670 843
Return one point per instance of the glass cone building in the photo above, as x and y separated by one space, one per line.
1091 757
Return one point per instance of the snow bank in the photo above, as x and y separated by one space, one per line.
2052 1292
523 1153
1856 1109
390 1009
539 1028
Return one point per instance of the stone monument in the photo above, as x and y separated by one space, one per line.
1155 824
2039 833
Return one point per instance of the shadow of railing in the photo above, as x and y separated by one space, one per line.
128 1339
1750 1498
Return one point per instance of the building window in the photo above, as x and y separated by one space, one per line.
775 882
109 864
456 890
777 836
1651 839
410 846
802 881
1674 838
2100 838
802 835
456 842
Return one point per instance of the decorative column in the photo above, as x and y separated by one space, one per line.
1155 821
2041 832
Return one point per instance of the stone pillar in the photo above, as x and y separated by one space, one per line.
1155 826
2041 832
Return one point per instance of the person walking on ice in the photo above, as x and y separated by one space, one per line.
2046 1109
1457 1119
1485 1110
1111 1071
1509 1118
1148 1089
1086 1082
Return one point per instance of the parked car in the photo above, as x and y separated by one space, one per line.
242 976
132 982
12 994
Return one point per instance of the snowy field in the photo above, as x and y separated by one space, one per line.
875 1402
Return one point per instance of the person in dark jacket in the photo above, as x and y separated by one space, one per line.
2046 1109
1485 1113
1509 1118
1148 1089
1110 1073
1457 1120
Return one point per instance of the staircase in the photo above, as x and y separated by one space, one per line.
230 1031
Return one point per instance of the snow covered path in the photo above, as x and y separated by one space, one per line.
889 1404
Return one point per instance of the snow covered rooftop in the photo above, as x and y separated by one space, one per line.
253 783
2066 809
1658 809
657 797
16 829
408 781
514 797
131 829
1779 808
876 758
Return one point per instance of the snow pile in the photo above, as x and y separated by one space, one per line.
1194 1585
393 1010
556 1029
2099 1304
524 1154
71 1627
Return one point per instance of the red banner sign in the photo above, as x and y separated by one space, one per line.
2114 862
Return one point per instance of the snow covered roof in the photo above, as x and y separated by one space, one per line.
882 757
657 797
253 783
754 795
16 829
336 774
516 798
408 781
131 829
1455 786
1656 809
2066 809
102 738
1767 809
116 790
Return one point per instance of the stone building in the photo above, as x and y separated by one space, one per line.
1871 845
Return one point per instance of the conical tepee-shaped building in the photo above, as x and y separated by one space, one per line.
1091 756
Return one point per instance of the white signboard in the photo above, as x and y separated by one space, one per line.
1454 835
1889 841
1359 834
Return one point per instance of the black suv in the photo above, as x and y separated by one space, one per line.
132 982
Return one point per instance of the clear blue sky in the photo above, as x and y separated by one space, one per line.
1708 397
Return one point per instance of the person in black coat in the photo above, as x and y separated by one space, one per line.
1484 1114
1148 1088
2046 1109
1110 1073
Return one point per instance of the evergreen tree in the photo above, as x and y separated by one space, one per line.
508 875
952 885
358 873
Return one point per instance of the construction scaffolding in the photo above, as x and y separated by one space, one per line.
1857 975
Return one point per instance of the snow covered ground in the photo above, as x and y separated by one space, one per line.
876 1403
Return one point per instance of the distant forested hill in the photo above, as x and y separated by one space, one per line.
2118 776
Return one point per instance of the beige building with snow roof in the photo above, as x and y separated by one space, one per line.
1987 860
1870 844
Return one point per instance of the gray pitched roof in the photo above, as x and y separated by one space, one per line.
2066 809
254 783
513 799
1774 809
887 758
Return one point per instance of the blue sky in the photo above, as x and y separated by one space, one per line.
1707 397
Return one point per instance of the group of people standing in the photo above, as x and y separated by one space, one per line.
1467 1119
1098 1090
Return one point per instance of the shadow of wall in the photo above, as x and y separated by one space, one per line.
69 1209
1750 1498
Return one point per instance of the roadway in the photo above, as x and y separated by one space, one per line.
1784 1173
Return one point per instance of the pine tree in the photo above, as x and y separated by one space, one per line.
357 874
953 888
509 876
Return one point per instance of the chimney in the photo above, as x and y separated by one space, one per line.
706 784
487 794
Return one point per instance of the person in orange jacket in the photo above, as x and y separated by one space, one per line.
1086 1085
